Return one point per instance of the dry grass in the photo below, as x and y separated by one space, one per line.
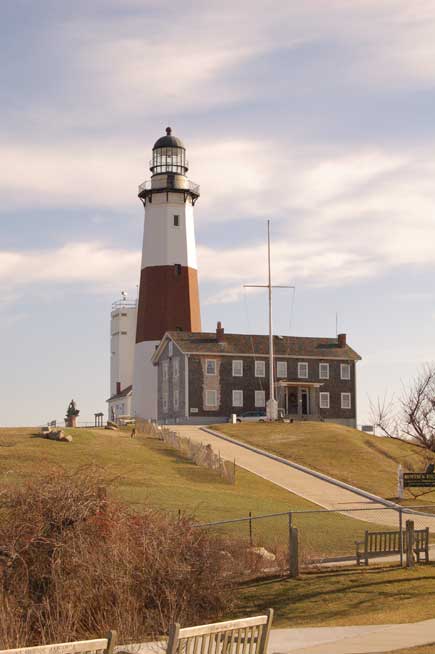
74 564
347 454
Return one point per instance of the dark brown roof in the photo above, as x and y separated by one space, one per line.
206 343
126 391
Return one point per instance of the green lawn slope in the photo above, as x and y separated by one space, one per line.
348 597
145 470
352 456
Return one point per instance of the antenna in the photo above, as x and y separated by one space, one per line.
336 323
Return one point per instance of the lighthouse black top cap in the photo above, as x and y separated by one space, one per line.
168 141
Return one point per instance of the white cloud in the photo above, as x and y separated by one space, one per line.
96 266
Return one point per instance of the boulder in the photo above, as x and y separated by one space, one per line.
262 553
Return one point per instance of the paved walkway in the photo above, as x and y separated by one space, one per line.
351 640
331 640
319 491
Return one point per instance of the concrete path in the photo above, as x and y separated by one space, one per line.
351 640
323 493
330 640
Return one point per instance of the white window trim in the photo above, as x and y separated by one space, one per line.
343 395
215 403
263 368
165 402
241 372
300 364
320 368
170 348
165 370
239 406
325 396
207 361
345 366
176 399
176 367
281 364
263 401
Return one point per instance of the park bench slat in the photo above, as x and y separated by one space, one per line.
245 636
384 543
76 647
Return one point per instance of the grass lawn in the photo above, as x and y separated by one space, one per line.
349 597
347 454
148 471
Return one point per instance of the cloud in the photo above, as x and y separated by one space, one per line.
95 266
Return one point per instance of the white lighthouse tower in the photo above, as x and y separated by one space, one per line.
168 292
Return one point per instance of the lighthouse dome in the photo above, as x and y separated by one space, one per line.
169 141
169 155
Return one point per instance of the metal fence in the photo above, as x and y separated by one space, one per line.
265 544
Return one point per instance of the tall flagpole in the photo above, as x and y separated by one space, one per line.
271 375
272 405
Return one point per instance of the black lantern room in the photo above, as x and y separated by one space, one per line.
169 155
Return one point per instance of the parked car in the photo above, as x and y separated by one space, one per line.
251 416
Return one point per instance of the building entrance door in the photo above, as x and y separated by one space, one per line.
292 401
305 397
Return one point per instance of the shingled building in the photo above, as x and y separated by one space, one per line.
205 377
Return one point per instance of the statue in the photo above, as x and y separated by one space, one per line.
71 415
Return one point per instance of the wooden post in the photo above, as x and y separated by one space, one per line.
294 553
401 536
409 543
250 528
289 541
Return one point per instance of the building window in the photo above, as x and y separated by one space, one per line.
346 402
324 400
281 368
237 368
176 221
176 399
165 367
177 269
260 399
123 333
210 367
165 403
176 367
260 368
302 370
211 399
324 371
238 398
171 348
345 371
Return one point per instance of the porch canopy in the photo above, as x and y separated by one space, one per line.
303 383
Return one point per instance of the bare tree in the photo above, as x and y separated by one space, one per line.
412 416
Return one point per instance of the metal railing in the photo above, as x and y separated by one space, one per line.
190 186
124 304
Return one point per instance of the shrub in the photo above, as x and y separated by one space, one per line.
74 564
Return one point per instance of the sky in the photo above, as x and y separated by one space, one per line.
317 115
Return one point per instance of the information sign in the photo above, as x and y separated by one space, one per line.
419 479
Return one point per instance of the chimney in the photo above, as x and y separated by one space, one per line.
341 340
118 388
220 332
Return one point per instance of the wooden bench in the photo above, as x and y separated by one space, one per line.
246 636
385 543
98 645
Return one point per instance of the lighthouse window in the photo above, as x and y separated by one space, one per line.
177 268
176 221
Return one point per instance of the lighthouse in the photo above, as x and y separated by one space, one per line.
168 292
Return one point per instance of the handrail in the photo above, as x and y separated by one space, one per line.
190 186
